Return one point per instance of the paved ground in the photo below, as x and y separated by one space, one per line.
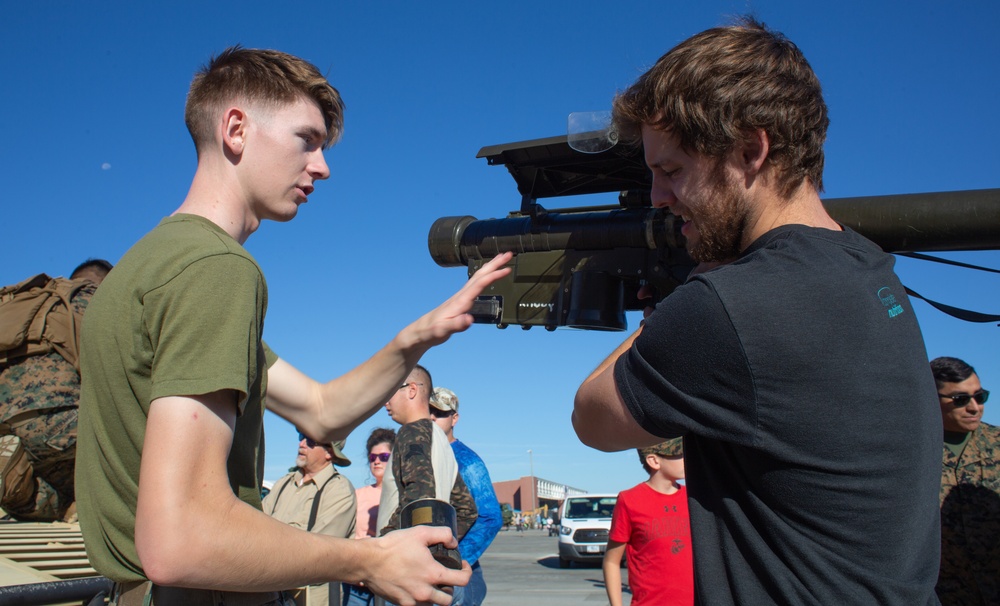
522 569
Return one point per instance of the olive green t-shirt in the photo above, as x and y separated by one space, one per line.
181 314
955 441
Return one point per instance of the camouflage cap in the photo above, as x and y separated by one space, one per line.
670 448
444 399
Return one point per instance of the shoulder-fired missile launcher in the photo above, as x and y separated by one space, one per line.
582 267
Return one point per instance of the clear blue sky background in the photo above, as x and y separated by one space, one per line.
94 152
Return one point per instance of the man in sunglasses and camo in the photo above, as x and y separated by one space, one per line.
423 465
970 489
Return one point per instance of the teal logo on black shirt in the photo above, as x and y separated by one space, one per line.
889 301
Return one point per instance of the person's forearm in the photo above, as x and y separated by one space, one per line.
597 407
330 411
613 582
611 359
239 548
466 511
192 531
349 400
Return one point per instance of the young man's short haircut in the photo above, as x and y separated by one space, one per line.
950 370
95 265
711 90
268 77
422 375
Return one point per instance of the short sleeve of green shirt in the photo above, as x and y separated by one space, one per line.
205 329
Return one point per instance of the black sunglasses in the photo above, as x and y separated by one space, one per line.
311 443
962 399
382 456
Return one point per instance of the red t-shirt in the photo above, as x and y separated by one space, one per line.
657 531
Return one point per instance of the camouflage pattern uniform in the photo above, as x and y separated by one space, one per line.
39 399
970 522
414 475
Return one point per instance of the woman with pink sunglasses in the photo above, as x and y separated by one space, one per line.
379 447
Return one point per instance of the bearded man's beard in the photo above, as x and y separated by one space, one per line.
721 222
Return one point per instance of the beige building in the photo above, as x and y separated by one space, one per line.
530 493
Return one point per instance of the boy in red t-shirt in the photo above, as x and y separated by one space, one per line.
650 526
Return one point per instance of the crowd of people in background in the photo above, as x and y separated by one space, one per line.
429 463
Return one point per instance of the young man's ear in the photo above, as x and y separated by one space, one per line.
653 461
234 130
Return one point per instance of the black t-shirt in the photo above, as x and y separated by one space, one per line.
799 377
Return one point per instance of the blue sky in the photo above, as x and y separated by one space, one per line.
94 152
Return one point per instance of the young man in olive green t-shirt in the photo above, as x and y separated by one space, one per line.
174 369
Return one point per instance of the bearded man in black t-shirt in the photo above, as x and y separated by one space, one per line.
794 367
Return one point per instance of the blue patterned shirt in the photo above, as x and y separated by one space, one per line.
477 479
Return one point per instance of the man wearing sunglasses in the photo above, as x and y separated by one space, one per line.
423 465
970 489
315 497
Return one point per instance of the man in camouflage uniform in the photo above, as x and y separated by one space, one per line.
423 465
970 489
39 398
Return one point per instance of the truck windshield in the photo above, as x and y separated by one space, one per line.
590 507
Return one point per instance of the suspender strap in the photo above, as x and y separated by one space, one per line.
282 489
315 506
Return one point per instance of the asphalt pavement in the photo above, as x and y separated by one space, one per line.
522 569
